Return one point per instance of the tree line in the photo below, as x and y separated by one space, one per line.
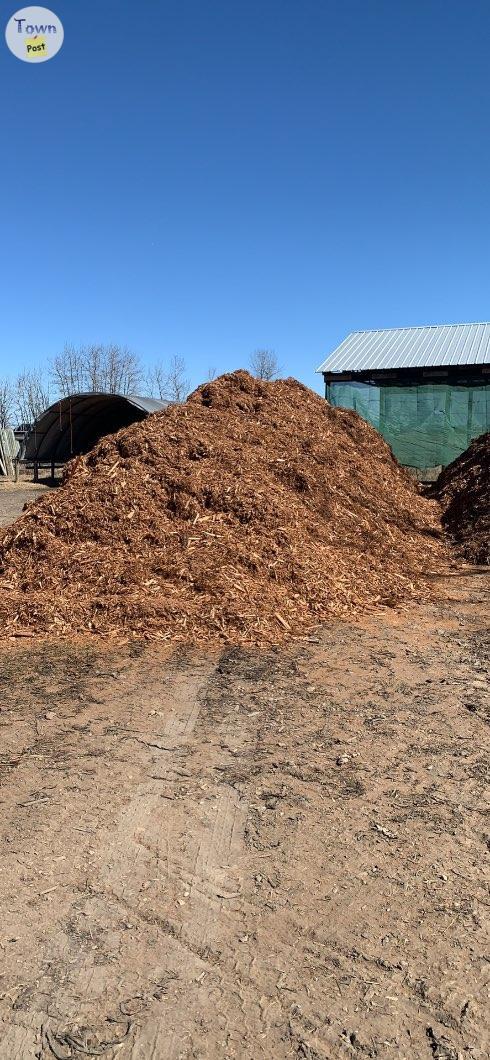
110 369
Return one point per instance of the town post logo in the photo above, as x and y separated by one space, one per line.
34 34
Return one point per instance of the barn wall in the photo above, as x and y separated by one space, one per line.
427 425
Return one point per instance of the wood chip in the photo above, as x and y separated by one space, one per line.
258 511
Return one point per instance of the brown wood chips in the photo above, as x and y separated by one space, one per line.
463 489
250 513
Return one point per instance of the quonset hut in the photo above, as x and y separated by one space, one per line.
73 425
425 389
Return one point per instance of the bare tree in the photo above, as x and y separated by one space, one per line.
156 380
31 395
7 403
170 384
119 369
264 364
93 373
178 383
108 369
211 374
68 371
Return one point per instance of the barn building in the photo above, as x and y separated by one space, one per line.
425 389
73 425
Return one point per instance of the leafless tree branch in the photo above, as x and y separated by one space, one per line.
7 403
169 384
31 395
264 364
108 369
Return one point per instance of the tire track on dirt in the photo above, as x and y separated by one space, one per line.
277 854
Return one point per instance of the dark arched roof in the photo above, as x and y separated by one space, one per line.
74 424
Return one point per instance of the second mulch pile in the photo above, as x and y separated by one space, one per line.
250 513
463 489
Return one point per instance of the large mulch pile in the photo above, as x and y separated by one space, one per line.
463 489
252 512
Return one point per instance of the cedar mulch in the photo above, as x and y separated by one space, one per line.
250 513
463 489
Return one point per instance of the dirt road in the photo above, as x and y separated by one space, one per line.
13 497
249 855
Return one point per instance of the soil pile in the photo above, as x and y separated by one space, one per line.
463 489
250 513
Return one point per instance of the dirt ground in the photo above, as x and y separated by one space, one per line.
245 855
13 496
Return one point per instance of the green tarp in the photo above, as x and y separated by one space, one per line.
425 425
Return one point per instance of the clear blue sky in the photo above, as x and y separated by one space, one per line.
205 177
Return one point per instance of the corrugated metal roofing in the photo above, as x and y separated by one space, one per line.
421 347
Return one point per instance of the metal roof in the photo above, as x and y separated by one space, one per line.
147 404
438 345
74 424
